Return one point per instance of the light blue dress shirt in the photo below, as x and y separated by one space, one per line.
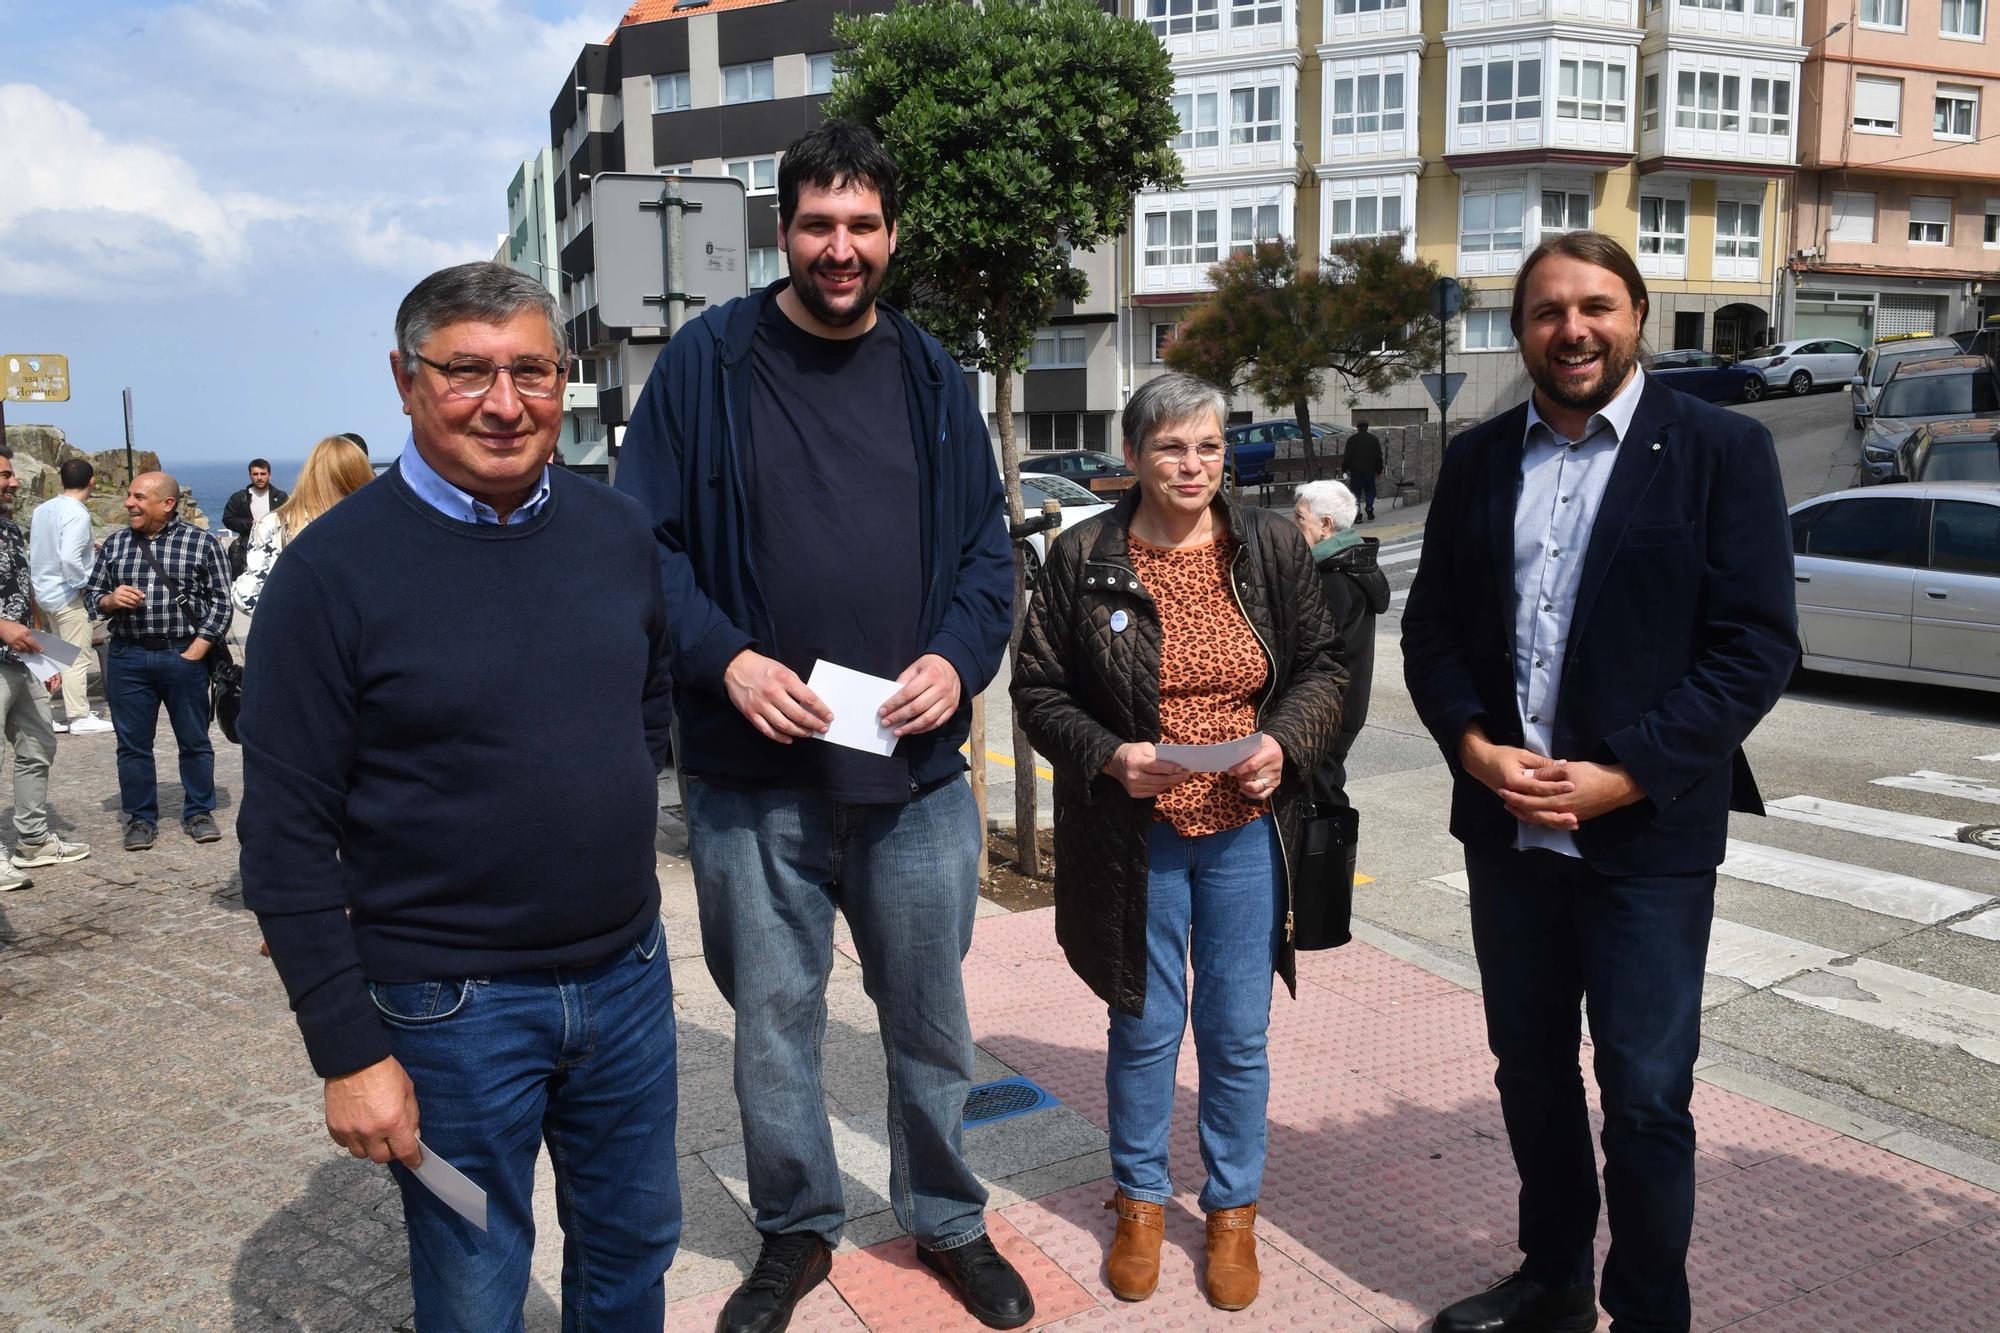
1562 485
59 552
450 501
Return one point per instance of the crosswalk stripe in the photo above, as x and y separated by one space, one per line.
1988 758
1759 958
1902 896
1943 784
1986 925
1400 557
1911 1004
1920 830
1400 595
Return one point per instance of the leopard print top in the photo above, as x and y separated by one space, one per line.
1212 673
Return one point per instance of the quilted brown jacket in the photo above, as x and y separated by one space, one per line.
1082 689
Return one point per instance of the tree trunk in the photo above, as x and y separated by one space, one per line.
1302 409
976 751
1027 849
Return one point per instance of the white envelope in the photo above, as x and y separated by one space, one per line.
854 696
450 1185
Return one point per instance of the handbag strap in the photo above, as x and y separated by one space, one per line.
173 589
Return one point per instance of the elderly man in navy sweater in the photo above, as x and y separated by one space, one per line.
448 819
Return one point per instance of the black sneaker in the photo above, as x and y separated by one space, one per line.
986 1282
138 835
788 1267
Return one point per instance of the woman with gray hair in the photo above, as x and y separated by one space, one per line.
1357 591
1180 617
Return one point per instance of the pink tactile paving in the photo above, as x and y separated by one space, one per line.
822 1311
1743 1132
1946 1286
1019 937
893 1293
1369 976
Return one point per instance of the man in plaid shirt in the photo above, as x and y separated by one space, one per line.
159 636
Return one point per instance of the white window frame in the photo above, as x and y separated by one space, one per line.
1377 205
1367 6
1266 122
1176 18
747 83
1649 116
762 267
1847 206
1696 109
1992 232
1878 124
1959 98
1059 347
1486 330
1783 9
1386 90
1726 6
1770 120
1170 252
1737 242
1250 225
1200 115
1520 106
1890 15
1163 334
1666 243
1930 229
1968 16
672 92
1488 214
1255 13
751 169
819 73
1568 202
677 169
1584 91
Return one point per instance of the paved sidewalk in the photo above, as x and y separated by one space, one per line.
163 1164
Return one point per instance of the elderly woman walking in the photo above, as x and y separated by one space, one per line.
1180 617
1357 591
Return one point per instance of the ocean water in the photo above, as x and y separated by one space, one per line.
214 483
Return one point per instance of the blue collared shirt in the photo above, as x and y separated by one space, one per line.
1562 485
450 501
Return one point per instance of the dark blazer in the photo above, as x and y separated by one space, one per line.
1683 636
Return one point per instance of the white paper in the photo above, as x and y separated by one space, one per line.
56 656
1210 758
854 697
449 1184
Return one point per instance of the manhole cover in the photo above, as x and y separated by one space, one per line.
1981 835
1005 1098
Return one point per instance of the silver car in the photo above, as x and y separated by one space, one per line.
1920 391
1077 504
1901 582
1880 361
1800 366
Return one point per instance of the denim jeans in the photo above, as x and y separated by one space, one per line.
31 730
136 682
771 867
1363 487
1549 932
1213 899
583 1060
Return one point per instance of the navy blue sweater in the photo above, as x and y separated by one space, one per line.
452 732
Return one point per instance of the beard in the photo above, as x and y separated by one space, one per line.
1615 370
815 301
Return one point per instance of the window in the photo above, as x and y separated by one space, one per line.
1853 216
1956 115
1366 215
747 83
1489 221
1163 334
763 266
1170 18
1878 105
678 169
1965 537
1770 106
1366 6
1564 210
1499 90
1993 222
758 174
1253 114
1181 236
1652 104
1962 18
1882 13
1930 220
1590 90
1731 6
1056 347
819 73
1197 114
1708 101
1663 225
1368 103
1883 531
1488 331
1250 226
670 92
1248 13
1783 9
1739 232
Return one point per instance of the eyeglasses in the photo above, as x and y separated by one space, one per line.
1172 451
474 376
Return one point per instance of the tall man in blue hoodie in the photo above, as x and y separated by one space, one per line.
824 490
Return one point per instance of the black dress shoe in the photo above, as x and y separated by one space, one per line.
787 1268
987 1283
1518 1304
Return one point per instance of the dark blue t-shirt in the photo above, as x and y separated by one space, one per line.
832 478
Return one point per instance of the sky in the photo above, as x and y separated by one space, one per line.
220 203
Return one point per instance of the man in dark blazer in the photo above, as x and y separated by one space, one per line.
1602 613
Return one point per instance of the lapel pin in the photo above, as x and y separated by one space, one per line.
1118 622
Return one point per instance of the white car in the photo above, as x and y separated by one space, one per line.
1077 504
1800 366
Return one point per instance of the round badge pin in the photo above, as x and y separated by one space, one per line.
1118 622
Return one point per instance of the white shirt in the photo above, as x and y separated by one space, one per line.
260 503
59 552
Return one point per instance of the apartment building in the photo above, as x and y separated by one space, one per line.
530 246
1896 228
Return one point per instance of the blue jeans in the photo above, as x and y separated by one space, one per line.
1363 487
582 1059
1215 899
1550 932
771 866
136 682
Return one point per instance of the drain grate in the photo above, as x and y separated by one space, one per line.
1981 835
1005 1098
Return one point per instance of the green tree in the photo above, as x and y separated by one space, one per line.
1023 131
1362 313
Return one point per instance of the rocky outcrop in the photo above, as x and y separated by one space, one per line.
40 452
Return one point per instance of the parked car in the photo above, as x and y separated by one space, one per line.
1964 450
1086 467
1703 374
1901 582
1800 366
1077 504
1939 388
1252 447
1881 360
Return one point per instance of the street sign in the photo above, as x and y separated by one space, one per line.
630 225
1444 388
34 377
1447 296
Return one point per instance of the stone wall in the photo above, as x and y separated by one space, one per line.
40 452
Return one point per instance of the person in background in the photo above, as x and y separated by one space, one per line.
1357 591
334 470
1363 462
59 558
248 505
1180 616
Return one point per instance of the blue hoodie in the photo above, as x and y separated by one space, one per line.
681 458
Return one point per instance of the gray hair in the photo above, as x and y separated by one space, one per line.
1329 499
1168 398
485 293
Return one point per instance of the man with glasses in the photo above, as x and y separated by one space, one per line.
824 491
448 826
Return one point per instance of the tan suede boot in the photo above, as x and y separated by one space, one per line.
1133 1269
1232 1257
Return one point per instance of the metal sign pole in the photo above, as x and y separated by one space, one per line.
676 273
130 474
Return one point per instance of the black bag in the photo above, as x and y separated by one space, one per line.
225 678
1323 888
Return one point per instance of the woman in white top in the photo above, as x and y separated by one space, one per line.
334 470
